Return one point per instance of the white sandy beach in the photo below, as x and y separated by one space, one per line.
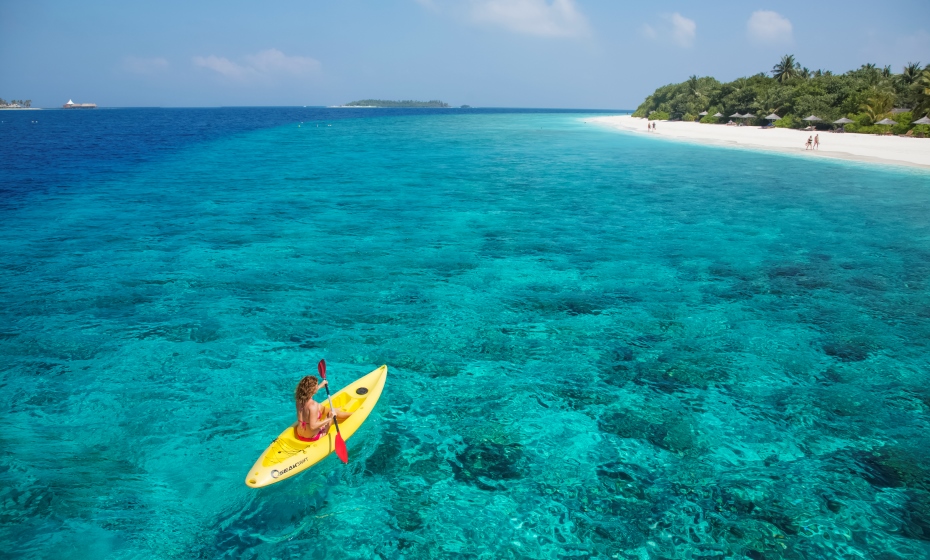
913 152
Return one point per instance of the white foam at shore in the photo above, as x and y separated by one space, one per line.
914 152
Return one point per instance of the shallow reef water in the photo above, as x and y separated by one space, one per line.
600 345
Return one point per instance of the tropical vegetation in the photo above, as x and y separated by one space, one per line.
16 103
865 95
435 104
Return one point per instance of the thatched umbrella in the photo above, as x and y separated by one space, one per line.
887 122
922 120
772 117
718 115
812 119
736 116
843 121
703 113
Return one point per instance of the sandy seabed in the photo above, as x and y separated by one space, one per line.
896 150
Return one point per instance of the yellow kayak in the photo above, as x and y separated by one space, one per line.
287 455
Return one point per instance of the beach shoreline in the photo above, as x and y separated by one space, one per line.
865 148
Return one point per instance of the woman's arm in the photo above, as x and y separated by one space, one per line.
314 422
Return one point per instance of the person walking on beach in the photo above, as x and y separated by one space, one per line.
816 141
313 419
810 142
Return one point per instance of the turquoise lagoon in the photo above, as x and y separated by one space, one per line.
600 345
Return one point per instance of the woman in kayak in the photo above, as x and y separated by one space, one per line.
313 418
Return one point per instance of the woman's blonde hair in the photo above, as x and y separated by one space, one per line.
305 389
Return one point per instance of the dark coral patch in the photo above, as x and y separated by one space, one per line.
847 351
672 435
488 465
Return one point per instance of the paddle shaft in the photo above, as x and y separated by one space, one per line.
331 409
340 444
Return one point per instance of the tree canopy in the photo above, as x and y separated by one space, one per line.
16 102
866 95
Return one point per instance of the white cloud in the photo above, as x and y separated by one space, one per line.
650 32
558 18
221 65
138 65
263 64
674 28
683 29
769 28
274 61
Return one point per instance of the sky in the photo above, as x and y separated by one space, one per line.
586 54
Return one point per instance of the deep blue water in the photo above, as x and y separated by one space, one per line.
600 344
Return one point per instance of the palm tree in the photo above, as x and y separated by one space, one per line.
786 68
911 73
878 105
694 87
923 94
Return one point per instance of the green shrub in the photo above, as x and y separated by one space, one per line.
866 128
709 120
864 124
689 117
904 122
788 121
658 116
862 119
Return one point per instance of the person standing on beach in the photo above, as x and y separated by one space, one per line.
810 141
816 141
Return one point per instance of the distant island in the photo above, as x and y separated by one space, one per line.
868 99
434 104
15 104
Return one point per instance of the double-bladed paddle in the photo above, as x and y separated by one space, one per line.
341 450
